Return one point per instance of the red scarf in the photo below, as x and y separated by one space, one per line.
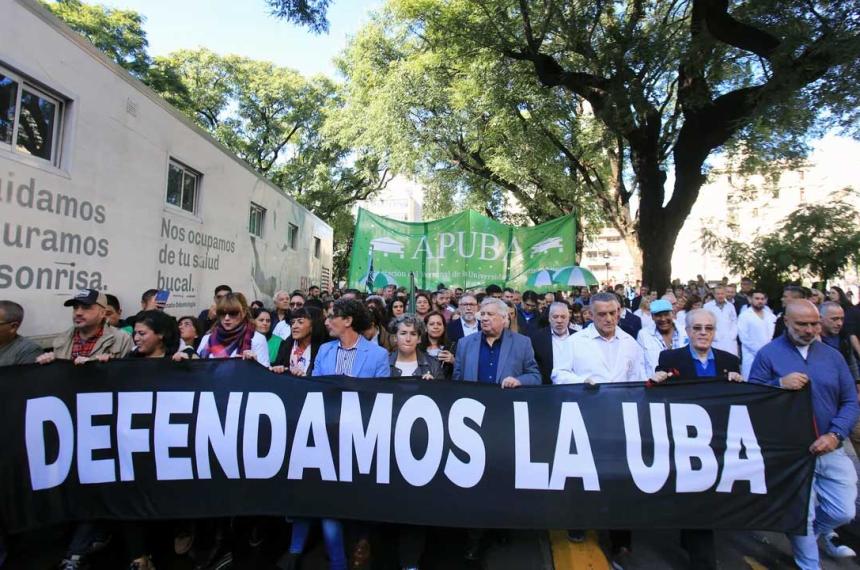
223 343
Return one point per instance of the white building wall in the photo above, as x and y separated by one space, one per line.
118 140
401 200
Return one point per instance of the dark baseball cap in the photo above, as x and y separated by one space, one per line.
87 297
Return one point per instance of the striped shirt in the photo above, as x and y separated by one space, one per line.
345 359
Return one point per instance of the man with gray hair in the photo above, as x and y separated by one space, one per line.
833 327
497 355
602 352
550 343
468 322
698 360
14 348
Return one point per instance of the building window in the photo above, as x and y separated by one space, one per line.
30 119
256 219
317 247
293 236
183 184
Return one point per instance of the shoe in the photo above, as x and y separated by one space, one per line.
289 561
74 562
621 559
142 563
360 555
835 549
576 536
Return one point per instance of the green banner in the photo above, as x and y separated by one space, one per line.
465 250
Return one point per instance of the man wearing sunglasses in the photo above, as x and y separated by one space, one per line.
698 360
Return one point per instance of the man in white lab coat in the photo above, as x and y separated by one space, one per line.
755 329
727 321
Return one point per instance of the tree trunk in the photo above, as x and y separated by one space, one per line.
657 246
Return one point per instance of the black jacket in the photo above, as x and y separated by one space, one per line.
283 357
542 345
425 364
681 360
455 330
631 324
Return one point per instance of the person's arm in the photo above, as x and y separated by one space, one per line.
318 361
204 342
460 354
30 355
261 349
762 371
531 373
848 411
382 368
566 374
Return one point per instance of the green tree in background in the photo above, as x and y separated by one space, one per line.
814 243
270 116
667 82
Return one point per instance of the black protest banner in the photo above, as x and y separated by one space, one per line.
144 439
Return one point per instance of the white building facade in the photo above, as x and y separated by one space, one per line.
104 185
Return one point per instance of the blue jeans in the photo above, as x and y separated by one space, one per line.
332 536
831 505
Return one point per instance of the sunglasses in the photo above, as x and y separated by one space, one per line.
297 304
231 314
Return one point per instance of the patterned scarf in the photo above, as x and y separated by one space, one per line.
223 343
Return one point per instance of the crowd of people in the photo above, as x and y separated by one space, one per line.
494 336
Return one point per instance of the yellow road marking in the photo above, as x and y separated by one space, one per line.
754 564
588 555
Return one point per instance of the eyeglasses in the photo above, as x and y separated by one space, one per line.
468 304
231 314
297 304
703 328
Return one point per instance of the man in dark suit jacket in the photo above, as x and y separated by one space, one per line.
628 322
699 360
468 308
544 339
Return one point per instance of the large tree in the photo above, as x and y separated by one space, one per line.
670 82
268 115
478 134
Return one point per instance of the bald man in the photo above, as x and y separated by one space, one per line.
792 361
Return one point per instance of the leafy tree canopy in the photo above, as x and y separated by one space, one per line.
816 242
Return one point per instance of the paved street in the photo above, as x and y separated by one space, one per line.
514 550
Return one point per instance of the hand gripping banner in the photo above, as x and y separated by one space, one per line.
147 439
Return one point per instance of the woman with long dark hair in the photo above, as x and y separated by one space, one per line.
263 324
190 333
307 332
156 335
435 341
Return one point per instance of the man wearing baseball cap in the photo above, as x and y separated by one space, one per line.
664 336
91 338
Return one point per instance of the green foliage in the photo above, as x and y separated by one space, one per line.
117 33
270 116
655 86
310 13
477 132
814 243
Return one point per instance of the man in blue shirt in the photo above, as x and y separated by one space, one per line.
792 361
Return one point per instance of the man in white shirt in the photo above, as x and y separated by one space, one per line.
755 329
467 323
550 344
602 352
727 321
664 336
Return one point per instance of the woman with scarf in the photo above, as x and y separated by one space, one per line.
234 334
296 354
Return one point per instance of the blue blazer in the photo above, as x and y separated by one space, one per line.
370 362
517 359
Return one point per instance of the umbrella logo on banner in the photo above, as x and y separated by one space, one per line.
380 280
575 276
548 244
541 278
387 245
